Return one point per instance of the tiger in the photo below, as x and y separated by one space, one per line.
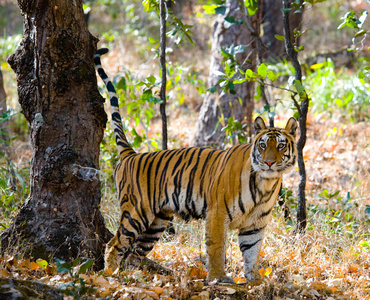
232 189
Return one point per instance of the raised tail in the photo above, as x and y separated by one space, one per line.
123 146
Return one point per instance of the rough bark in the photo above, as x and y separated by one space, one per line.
214 104
59 97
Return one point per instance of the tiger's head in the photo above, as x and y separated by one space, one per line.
274 149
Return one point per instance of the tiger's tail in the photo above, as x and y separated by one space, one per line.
123 146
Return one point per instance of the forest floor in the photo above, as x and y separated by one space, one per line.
330 261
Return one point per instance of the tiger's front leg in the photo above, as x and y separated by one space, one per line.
216 230
250 242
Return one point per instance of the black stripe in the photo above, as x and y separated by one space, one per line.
155 230
227 209
164 217
244 247
252 185
251 232
147 239
266 213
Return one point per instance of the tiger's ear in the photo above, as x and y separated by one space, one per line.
291 126
259 125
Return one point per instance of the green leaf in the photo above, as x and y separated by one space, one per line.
286 10
151 79
249 73
76 261
213 89
152 40
271 75
230 19
279 37
147 94
360 33
209 9
84 266
252 6
220 10
296 115
42 263
62 266
262 70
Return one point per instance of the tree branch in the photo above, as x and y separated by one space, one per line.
303 109
162 107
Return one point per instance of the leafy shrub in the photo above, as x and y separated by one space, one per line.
334 91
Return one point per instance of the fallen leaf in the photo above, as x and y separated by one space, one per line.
5 273
240 279
34 266
108 272
229 291
25 264
158 290
152 295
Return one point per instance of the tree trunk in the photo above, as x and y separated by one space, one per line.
273 24
215 104
205 133
59 97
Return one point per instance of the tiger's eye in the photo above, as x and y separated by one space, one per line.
281 146
263 146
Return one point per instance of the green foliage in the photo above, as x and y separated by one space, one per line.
179 31
340 213
7 47
76 287
252 6
13 188
331 212
334 90
234 128
351 20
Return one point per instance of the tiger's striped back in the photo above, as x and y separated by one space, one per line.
232 189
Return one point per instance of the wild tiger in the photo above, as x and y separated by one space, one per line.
232 189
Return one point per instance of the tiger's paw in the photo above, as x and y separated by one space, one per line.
223 280
226 280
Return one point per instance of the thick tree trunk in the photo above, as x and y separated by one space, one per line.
60 100
216 104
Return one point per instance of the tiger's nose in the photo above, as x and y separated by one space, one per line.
269 162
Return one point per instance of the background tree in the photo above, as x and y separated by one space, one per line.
273 25
239 102
262 45
59 97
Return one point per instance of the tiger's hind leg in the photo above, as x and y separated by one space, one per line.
145 242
